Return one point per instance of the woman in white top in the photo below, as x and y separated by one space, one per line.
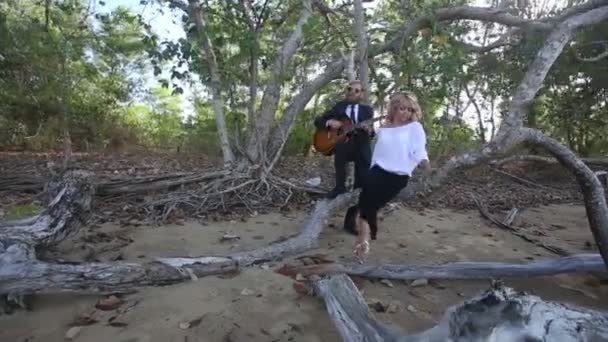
399 149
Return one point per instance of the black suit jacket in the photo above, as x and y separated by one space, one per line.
338 111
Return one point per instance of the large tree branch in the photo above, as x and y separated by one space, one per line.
297 104
361 35
527 89
496 15
22 273
270 99
460 13
350 313
581 263
509 135
595 58
593 191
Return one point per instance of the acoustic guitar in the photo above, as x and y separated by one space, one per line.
325 139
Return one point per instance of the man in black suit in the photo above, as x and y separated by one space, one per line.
357 148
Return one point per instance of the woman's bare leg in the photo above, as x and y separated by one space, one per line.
363 238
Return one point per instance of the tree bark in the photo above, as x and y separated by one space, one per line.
22 273
482 129
349 312
258 139
593 191
297 104
215 84
511 133
581 263
498 314
360 31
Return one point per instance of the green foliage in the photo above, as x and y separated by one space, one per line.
85 72
21 211
75 71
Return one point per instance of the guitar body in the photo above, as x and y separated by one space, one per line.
325 139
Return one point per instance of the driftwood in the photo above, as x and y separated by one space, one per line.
22 273
20 182
498 314
581 263
348 310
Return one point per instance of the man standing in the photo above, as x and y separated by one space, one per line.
357 148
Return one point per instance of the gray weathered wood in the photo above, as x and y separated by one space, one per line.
349 312
580 263
22 273
594 196
503 314
498 314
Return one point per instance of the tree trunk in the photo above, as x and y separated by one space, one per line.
22 273
482 129
360 31
593 191
498 314
215 84
348 310
258 139
297 104
581 263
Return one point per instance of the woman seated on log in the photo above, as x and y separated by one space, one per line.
399 149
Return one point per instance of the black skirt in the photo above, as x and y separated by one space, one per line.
379 187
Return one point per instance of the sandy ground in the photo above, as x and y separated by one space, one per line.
261 305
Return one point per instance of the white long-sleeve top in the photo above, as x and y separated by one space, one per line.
400 149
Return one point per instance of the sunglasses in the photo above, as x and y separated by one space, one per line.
356 90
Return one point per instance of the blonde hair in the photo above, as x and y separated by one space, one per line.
399 99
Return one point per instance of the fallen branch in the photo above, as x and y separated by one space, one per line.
485 213
581 263
511 216
498 314
130 185
21 273
349 312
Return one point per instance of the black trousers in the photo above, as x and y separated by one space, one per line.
379 187
356 151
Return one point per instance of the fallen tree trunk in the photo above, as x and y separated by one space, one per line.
581 263
348 310
22 273
498 314
115 186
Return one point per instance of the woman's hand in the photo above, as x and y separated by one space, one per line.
335 124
